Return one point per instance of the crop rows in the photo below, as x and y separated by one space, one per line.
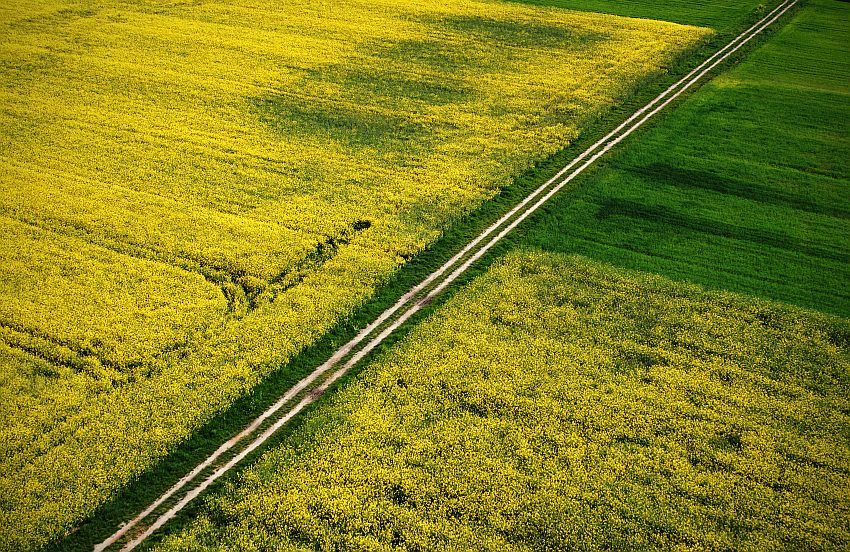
744 186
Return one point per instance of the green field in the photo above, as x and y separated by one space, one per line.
556 403
721 15
743 187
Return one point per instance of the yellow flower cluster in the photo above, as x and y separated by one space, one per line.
190 193
559 403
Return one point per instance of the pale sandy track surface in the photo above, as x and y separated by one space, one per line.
306 391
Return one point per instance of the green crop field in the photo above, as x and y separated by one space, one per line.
743 187
193 192
557 403
721 15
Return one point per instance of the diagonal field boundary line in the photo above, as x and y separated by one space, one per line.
419 296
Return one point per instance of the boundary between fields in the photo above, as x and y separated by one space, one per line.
311 387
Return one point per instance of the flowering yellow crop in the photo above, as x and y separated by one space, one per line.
557 403
190 193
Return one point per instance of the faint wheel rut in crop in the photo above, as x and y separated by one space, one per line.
81 358
244 293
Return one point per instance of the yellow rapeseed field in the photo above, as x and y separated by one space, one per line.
557 403
191 192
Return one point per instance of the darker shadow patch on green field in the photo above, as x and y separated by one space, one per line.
59 17
384 83
704 180
525 34
355 127
437 55
634 440
387 90
668 220
729 440
631 361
